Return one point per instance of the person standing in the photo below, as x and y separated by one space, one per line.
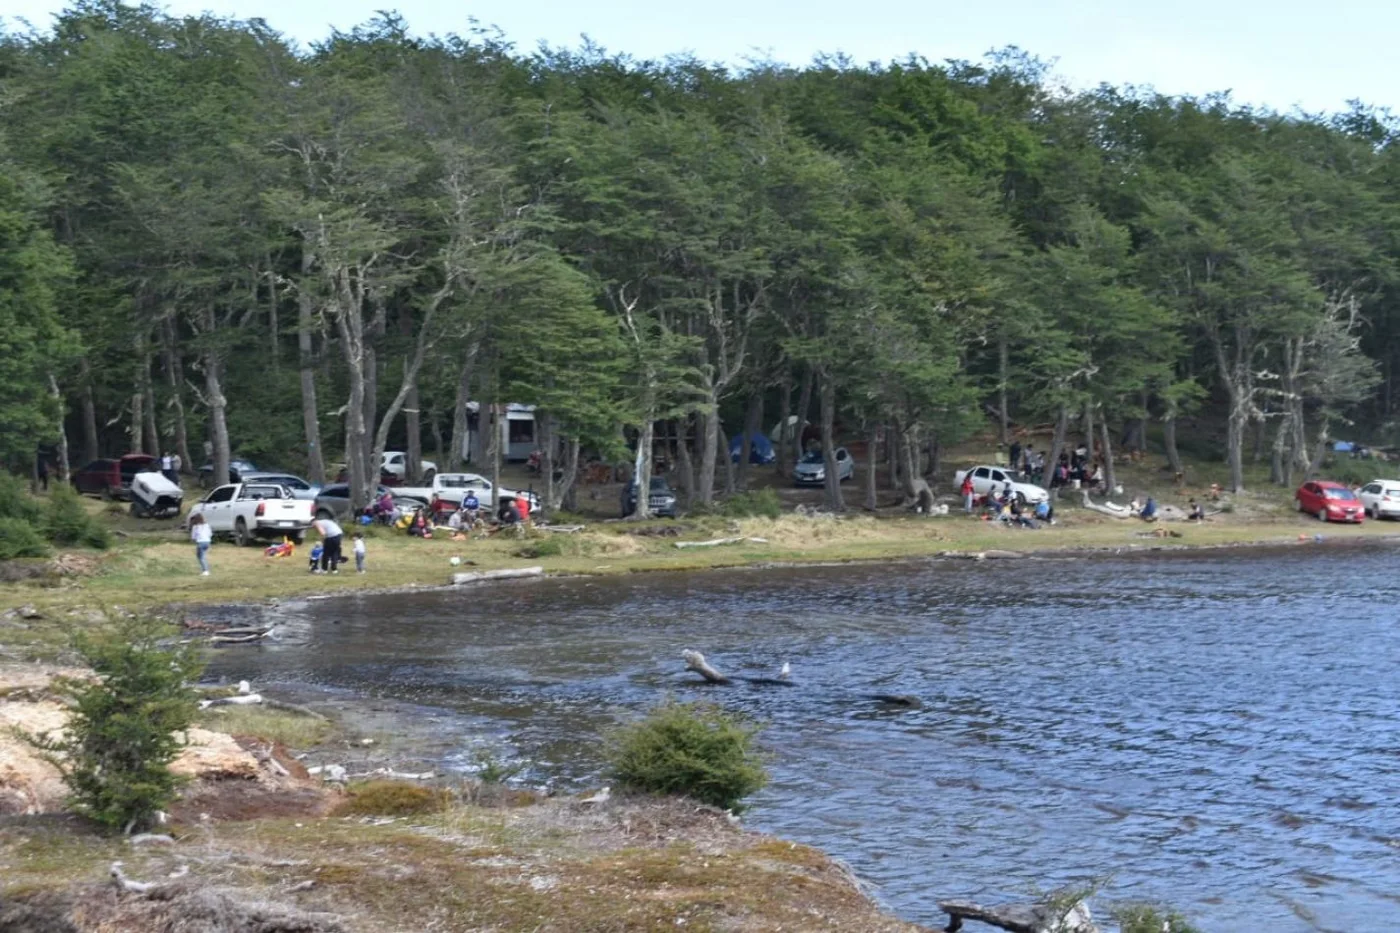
967 492
167 468
1014 459
359 549
177 463
331 536
202 536
41 469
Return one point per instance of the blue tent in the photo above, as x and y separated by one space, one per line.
760 448
1343 447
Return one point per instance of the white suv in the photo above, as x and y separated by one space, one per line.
987 479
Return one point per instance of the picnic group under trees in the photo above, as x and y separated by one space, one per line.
211 233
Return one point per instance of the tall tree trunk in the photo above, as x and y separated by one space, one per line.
1236 424
934 449
892 454
175 381
459 410
783 440
1089 431
1003 376
350 324
872 465
64 468
214 397
1110 474
709 447
834 501
136 429
909 469
274 331
435 429
306 363
1279 474
804 408
91 449
1259 438
1324 434
641 464
413 431
569 484
547 443
1169 439
1057 446
753 424
493 446
370 405
685 462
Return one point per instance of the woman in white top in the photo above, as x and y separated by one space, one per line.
202 536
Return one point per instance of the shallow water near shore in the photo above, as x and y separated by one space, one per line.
1220 732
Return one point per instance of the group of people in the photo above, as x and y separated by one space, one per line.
1005 505
170 466
326 555
1078 465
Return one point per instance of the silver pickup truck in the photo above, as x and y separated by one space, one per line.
249 511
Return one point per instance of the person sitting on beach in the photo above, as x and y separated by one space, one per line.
1044 511
1197 512
509 513
1149 511
471 505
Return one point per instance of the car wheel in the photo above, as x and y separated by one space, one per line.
1297 505
241 537
1322 514
137 510
1021 498
299 538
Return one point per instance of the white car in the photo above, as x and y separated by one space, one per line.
254 510
1381 497
987 479
395 463
453 487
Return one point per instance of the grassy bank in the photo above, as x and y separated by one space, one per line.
153 566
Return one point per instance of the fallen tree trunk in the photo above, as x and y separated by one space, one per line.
718 541
510 573
695 661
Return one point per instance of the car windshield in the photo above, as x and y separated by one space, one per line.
1014 476
1339 493
449 481
658 484
262 492
813 456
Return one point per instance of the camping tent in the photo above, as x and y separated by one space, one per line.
760 448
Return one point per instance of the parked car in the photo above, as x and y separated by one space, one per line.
248 511
333 501
236 469
661 498
1329 502
1381 498
111 478
451 489
298 487
986 479
811 469
395 463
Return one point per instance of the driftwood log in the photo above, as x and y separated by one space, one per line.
719 541
1021 918
509 573
695 661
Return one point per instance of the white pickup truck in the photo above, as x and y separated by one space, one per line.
452 487
248 511
395 463
993 479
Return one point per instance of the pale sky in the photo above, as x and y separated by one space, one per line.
1280 53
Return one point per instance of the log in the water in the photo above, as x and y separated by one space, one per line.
901 700
1021 918
695 661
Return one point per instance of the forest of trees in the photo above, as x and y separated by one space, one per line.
208 234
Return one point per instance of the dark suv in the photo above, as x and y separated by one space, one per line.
660 497
111 478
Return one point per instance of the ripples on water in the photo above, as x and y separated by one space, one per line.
1215 732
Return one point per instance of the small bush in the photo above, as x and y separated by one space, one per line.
551 546
393 798
689 750
760 503
492 770
121 736
18 538
1143 919
15 500
68 524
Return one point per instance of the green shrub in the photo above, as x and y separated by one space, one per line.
18 538
68 524
1140 918
15 500
689 750
123 731
393 798
760 503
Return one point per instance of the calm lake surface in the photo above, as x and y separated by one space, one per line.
1217 731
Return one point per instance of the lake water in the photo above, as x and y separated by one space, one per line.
1216 731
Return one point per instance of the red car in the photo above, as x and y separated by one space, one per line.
112 478
1330 502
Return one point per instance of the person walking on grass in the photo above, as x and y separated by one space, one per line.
331 536
202 536
359 549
